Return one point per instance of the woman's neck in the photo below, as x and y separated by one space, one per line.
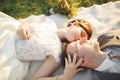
62 33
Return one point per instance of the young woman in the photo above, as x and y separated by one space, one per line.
42 41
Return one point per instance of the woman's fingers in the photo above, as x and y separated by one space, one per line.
26 33
79 62
69 58
74 58
80 69
66 61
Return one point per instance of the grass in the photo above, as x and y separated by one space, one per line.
24 8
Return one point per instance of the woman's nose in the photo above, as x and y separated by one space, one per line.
83 41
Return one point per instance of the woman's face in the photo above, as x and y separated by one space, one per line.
75 32
86 49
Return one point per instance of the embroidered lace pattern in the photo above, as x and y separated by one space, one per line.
42 42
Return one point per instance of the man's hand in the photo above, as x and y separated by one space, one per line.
23 31
71 67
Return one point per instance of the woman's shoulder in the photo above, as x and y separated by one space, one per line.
45 25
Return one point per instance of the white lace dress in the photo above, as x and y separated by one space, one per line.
42 42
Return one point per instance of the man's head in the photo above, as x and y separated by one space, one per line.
88 50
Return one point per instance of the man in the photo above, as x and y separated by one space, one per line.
103 56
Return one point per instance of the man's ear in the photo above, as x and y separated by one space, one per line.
84 63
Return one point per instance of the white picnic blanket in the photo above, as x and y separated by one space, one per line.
102 18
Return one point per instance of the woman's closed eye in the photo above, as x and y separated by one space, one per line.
82 34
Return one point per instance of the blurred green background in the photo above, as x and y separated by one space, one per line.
24 8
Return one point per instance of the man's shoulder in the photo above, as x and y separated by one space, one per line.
111 38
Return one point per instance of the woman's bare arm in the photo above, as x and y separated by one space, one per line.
50 65
46 69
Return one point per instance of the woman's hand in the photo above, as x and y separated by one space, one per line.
71 67
23 31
